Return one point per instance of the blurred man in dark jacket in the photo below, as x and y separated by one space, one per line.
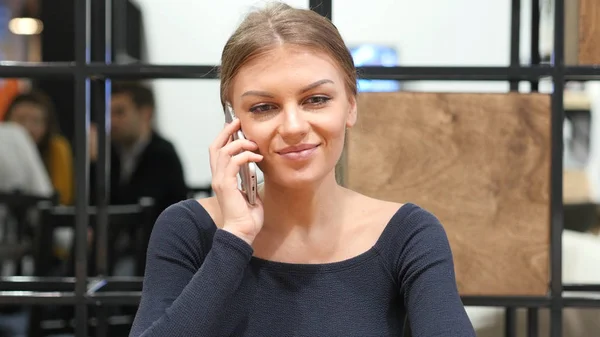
142 162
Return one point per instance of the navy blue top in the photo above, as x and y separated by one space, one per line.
203 281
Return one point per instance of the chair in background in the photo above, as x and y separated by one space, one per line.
16 236
16 227
137 219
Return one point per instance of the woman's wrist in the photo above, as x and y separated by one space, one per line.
249 239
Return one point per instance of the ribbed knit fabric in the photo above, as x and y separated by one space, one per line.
203 281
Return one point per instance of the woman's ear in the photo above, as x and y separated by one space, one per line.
352 112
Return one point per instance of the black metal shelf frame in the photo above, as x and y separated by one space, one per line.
100 70
93 70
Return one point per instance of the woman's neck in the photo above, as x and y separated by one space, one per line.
302 210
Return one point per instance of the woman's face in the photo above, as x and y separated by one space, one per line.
293 103
32 117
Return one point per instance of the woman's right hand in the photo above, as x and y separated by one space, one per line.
226 157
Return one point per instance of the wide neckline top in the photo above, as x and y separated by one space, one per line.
363 257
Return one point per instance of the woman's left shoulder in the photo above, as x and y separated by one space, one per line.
409 226
402 216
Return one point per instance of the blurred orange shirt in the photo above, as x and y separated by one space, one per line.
9 88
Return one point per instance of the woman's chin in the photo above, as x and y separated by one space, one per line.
296 179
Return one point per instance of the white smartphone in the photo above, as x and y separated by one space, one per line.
247 171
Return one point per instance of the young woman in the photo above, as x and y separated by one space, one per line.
35 112
311 258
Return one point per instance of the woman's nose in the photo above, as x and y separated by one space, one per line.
294 123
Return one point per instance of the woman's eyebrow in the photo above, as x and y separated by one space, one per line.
303 90
316 84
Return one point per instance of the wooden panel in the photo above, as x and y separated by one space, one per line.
576 100
589 32
479 162
571 32
582 32
576 187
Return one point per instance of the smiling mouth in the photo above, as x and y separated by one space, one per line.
299 153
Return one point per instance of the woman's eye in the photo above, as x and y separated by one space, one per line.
313 101
261 108
318 100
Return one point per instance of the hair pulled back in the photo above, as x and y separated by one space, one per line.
278 24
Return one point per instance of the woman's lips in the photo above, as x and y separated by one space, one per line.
299 152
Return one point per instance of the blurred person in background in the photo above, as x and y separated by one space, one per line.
21 167
34 111
142 164
9 88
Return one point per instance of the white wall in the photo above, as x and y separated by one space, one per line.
426 33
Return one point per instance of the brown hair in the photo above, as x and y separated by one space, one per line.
141 95
42 100
279 24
